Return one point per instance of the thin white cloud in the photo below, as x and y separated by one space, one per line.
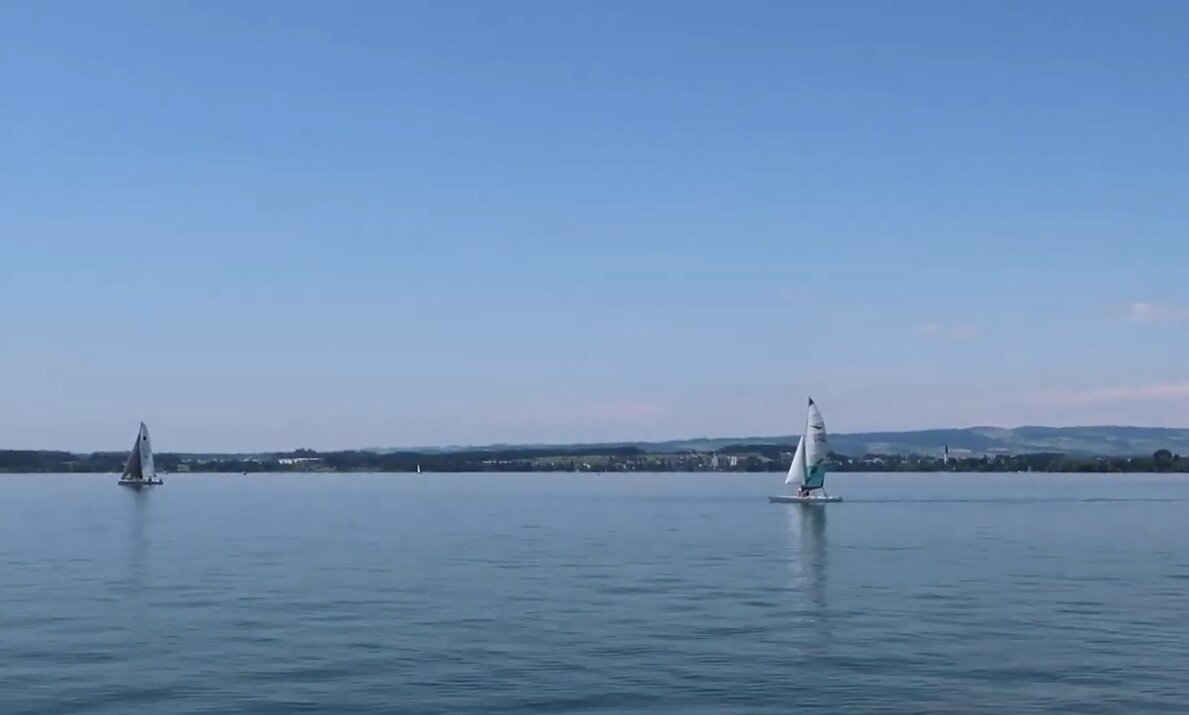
1140 312
1126 393
950 332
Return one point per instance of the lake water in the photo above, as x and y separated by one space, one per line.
617 594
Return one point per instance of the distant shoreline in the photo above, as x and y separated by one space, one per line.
732 459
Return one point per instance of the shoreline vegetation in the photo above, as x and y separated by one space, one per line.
731 458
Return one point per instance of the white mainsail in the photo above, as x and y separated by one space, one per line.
148 469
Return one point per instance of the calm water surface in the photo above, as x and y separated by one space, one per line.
565 593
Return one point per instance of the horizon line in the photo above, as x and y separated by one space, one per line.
579 443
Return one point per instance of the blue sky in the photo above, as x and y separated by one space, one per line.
279 224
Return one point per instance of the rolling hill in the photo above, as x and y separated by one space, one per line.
1081 441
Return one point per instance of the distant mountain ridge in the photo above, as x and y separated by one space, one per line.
1105 441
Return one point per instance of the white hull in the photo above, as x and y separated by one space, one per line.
812 499
138 483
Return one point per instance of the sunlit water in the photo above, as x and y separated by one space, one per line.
565 593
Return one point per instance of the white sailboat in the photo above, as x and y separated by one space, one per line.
808 470
139 470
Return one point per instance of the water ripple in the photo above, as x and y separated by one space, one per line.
647 593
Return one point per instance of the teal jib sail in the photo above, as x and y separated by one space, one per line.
815 476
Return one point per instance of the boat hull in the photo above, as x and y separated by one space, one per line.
794 499
138 483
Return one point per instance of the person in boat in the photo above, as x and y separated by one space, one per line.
803 492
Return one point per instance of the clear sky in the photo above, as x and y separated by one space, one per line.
268 225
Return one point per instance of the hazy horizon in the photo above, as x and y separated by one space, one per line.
279 225
564 443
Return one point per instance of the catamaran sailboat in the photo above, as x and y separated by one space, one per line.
139 470
808 470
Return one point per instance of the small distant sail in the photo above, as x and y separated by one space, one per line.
148 469
140 459
809 462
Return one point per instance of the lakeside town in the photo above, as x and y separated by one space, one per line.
743 458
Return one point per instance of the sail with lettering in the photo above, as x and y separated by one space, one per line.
140 470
